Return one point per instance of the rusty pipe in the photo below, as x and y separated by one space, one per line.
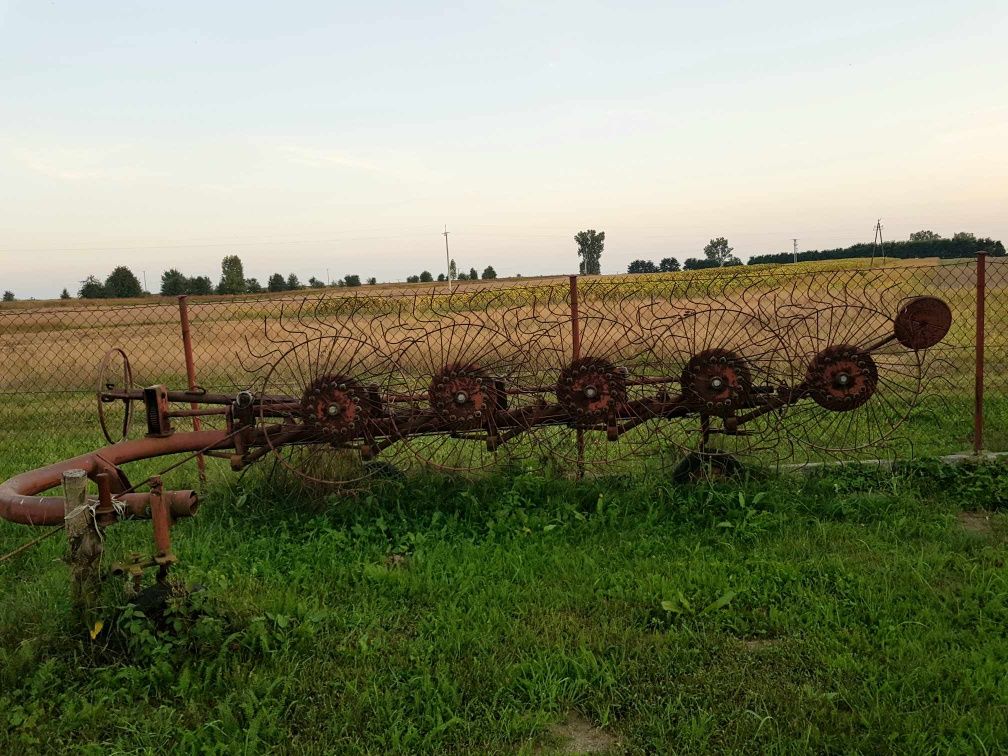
20 502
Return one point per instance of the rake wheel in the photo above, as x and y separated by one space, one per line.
335 421
861 379
730 364
597 419
453 382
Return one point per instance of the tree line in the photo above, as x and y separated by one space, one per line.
122 283
924 243
453 273
717 254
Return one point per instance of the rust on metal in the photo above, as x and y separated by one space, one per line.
190 365
978 399
922 322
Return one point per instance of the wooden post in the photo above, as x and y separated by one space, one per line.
84 545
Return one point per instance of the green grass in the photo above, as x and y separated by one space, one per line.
850 612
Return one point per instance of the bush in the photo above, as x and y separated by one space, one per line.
91 288
642 266
122 284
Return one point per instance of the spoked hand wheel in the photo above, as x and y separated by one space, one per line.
115 406
324 411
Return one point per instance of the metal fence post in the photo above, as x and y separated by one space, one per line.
978 404
183 303
576 355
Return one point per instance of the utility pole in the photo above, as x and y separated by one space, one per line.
446 258
877 241
795 249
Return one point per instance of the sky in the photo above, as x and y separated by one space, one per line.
325 138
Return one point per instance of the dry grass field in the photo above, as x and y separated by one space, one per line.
775 316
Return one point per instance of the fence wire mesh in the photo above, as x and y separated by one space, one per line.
647 326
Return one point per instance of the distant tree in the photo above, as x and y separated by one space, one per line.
923 236
64 294
452 271
91 288
276 282
122 284
426 277
372 281
8 296
292 283
473 275
174 283
412 279
339 283
489 273
252 286
351 279
642 266
201 285
463 277
440 276
964 236
718 251
693 263
314 283
591 244
668 265
733 260
232 276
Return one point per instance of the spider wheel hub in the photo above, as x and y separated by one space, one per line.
842 378
590 388
462 394
717 378
336 405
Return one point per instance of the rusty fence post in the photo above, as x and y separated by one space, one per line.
183 304
576 355
981 303
84 546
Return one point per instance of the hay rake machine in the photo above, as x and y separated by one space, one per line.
343 393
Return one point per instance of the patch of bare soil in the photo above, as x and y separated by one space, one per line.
577 735
975 522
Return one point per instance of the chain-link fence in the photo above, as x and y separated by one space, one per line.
772 320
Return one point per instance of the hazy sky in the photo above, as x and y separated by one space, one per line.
307 136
